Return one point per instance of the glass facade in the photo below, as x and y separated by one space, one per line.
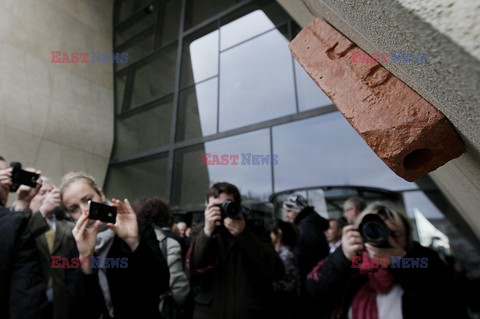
213 81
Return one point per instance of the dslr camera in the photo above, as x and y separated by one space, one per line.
230 209
22 177
374 231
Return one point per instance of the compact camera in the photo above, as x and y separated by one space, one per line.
22 177
102 212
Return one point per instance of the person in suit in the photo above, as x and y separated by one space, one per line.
55 240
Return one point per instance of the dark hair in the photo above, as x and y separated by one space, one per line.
224 187
289 233
2 158
155 210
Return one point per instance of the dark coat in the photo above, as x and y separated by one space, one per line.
427 293
62 246
22 292
135 291
312 245
234 275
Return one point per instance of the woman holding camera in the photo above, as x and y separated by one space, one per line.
131 290
353 283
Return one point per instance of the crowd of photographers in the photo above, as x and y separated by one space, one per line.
233 267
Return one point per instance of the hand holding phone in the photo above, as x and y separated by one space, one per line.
102 212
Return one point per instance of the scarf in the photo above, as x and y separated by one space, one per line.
364 304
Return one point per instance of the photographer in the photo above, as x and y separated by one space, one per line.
22 292
351 284
112 292
233 267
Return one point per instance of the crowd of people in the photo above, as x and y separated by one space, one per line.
298 266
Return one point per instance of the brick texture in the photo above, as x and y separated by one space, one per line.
409 134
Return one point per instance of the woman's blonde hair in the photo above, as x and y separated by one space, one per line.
73 177
390 213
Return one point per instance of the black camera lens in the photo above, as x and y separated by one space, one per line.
374 231
230 209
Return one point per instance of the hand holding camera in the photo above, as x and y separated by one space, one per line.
229 212
352 242
52 200
126 225
86 238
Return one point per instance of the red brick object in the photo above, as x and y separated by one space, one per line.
409 134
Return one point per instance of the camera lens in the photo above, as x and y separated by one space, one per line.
374 231
230 209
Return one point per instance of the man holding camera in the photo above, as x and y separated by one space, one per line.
234 268
22 293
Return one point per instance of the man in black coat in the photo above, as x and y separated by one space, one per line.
233 266
22 292
312 245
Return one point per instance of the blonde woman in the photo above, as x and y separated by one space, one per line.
380 272
129 291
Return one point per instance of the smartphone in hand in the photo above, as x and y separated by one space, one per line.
102 212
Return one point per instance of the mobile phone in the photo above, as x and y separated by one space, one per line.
102 212
22 177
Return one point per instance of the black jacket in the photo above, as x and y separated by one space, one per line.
22 292
135 291
312 245
234 275
427 293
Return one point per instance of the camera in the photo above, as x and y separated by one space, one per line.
230 209
102 212
22 177
374 231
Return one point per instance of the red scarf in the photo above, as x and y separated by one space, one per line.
380 280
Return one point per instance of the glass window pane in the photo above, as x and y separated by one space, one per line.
251 175
250 21
123 34
197 111
136 51
200 56
310 95
244 28
138 180
327 151
143 131
168 22
120 82
200 10
155 79
438 232
256 78
125 9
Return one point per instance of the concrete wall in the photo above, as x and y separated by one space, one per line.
56 117
449 31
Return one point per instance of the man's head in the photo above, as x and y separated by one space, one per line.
334 231
4 184
222 191
293 205
352 208
182 228
37 200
